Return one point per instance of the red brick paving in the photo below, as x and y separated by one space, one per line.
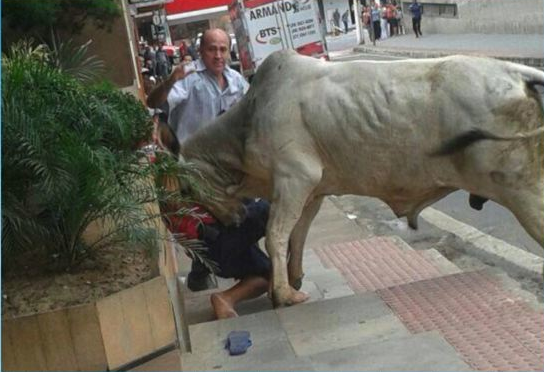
372 264
490 328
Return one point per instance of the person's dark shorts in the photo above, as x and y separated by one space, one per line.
235 249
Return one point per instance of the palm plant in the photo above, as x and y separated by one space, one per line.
68 160
74 59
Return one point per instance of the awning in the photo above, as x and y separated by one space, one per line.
183 6
149 3
197 15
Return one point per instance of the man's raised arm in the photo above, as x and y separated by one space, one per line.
159 95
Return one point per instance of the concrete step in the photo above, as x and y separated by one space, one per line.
348 264
293 332
332 334
423 352
490 326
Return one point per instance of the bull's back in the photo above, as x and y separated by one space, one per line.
377 118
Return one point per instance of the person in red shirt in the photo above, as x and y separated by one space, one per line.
233 248
391 15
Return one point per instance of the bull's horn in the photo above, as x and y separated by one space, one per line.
232 190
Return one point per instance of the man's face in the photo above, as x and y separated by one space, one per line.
215 52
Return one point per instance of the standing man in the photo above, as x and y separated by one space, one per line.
345 18
149 60
336 21
375 16
416 9
194 99
162 62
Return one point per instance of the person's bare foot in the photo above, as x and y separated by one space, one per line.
221 307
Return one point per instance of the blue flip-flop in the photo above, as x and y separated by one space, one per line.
238 342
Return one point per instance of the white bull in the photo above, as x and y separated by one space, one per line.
407 132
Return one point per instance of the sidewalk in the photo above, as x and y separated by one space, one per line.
376 304
526 49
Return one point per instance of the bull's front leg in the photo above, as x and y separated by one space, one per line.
289 199
297 240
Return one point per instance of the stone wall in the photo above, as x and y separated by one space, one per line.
484 16
111 45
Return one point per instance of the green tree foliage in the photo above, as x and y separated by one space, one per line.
40 16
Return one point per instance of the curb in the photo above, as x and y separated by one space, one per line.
419 53
487 247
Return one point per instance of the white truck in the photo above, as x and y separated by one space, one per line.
265 26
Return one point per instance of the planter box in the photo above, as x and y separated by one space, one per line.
104 335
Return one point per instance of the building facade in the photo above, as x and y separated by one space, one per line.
481 16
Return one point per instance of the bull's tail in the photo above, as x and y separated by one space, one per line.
466 139
531 76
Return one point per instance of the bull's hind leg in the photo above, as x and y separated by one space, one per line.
297 239
528 207
292 188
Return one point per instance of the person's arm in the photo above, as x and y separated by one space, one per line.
160 94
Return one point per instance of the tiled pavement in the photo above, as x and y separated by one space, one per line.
411 310
488 326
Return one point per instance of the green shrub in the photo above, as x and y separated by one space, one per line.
68 159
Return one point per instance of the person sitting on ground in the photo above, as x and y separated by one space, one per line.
193 100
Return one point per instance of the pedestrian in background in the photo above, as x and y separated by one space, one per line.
149 60
400 20
345 19
162 63
191 50
336 21
383 23
375 15
391 15
367 24
416 10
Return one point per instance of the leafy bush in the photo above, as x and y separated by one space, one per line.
68 159
74 60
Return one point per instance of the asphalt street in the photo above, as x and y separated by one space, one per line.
493 219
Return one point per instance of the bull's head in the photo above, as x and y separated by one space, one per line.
214 186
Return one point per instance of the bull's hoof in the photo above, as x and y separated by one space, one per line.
476 202
291 297
297 283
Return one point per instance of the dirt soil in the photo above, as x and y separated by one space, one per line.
28 291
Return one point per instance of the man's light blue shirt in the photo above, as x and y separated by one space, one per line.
197 99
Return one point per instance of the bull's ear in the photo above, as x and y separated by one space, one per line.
232 189
167 138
